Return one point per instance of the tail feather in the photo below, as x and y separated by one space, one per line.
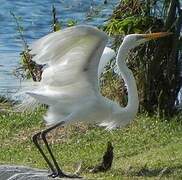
26 102
108 125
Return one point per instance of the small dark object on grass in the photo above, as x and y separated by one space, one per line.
107 160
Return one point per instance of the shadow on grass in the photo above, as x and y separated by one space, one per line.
147 172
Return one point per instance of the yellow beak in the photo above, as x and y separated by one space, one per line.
156 35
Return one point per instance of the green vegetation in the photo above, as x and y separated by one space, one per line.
148 148
5 103
154 64
27 68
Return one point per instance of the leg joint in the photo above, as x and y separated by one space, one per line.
35 136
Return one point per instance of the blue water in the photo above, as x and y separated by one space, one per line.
35 17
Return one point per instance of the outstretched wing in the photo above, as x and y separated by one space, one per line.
72 56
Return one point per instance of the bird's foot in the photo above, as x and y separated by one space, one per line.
62 175
53 174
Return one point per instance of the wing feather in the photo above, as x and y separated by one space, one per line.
72 56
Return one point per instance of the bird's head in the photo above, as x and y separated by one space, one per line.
133 40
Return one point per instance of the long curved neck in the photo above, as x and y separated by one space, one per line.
127 75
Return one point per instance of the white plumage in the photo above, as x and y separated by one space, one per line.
70 86
75 59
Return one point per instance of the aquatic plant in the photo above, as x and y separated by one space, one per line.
27 69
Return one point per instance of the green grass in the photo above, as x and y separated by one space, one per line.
149 148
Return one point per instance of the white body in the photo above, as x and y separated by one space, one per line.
70 84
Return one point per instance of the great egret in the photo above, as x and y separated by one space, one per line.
70 86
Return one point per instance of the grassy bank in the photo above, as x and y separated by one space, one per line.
148 148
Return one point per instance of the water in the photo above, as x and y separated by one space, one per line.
36 21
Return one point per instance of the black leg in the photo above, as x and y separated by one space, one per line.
58 172
35 141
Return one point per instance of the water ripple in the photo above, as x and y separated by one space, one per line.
35 16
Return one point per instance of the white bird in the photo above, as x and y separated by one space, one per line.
70 83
